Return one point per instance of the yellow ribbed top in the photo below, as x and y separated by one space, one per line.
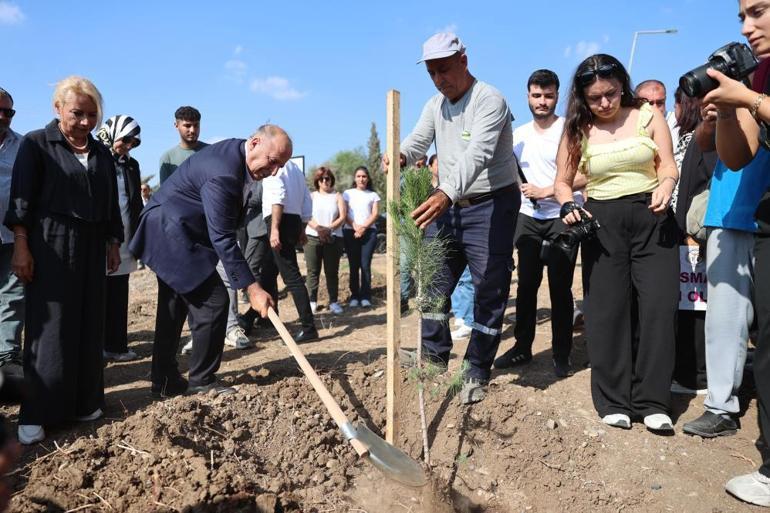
624 167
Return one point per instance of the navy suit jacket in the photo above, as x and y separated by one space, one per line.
190 223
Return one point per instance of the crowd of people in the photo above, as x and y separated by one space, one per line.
617 179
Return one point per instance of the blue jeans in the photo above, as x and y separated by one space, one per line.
462 298
480 237
11 306
360 252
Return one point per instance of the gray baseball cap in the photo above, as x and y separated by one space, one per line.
441 45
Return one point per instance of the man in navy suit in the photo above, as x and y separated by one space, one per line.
186 229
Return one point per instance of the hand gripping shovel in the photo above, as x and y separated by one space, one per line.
393 462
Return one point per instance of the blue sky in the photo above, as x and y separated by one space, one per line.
322 69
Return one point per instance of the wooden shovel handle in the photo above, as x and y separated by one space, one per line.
331 405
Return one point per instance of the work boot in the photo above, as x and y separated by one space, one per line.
473 391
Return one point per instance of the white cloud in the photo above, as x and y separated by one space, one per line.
277 87
583 49
236 70
10 14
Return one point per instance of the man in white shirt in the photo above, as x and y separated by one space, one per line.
11 289
286 208
535 145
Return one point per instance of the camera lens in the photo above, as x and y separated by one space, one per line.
697 83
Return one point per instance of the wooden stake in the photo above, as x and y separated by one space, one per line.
393 294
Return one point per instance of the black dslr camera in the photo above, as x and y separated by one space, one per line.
567 240
735 60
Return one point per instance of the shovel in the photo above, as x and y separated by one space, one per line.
391 461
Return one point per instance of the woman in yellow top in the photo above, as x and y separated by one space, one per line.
630 268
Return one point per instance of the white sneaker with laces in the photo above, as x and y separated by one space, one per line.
620 420
461 332
29 434
237 338
366 303
96 414
187 349
335 308
658 422
313 306
353 303
753 488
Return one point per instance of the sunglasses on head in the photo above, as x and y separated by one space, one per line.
603 71
8 112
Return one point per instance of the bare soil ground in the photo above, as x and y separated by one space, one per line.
534 444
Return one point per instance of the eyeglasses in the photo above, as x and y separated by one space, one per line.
325 179
603 71
656 103
7 112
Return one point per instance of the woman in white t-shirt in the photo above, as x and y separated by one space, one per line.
324 238
360 235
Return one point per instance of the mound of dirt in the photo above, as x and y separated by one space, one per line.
273 447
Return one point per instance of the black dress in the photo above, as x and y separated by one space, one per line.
71 213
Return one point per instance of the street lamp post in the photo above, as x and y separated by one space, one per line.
645 32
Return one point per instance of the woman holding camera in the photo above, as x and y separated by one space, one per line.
623 147
740 112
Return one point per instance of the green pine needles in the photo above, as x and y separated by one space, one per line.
424 257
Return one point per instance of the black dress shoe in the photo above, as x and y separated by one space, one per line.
218 389
562 369
711 425
169 387
306 335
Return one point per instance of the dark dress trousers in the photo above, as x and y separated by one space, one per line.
184 230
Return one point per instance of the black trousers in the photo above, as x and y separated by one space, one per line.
207 306
690 361
762 353
285 262
530 234
64 322
259 256
116 325
634 250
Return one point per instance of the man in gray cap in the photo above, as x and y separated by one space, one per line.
474 206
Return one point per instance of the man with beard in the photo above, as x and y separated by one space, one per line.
11 289
538 223
187 121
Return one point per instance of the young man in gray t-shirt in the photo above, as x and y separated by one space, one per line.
187 120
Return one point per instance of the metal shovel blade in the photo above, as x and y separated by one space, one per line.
392 461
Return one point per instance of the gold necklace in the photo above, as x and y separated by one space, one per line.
73 145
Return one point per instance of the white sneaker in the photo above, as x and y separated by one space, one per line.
313 306
461 332
29 434
753 488
120 357
620 420
459 321
237 338
366 303
335 308
353 303
659 422
187 349
96 414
